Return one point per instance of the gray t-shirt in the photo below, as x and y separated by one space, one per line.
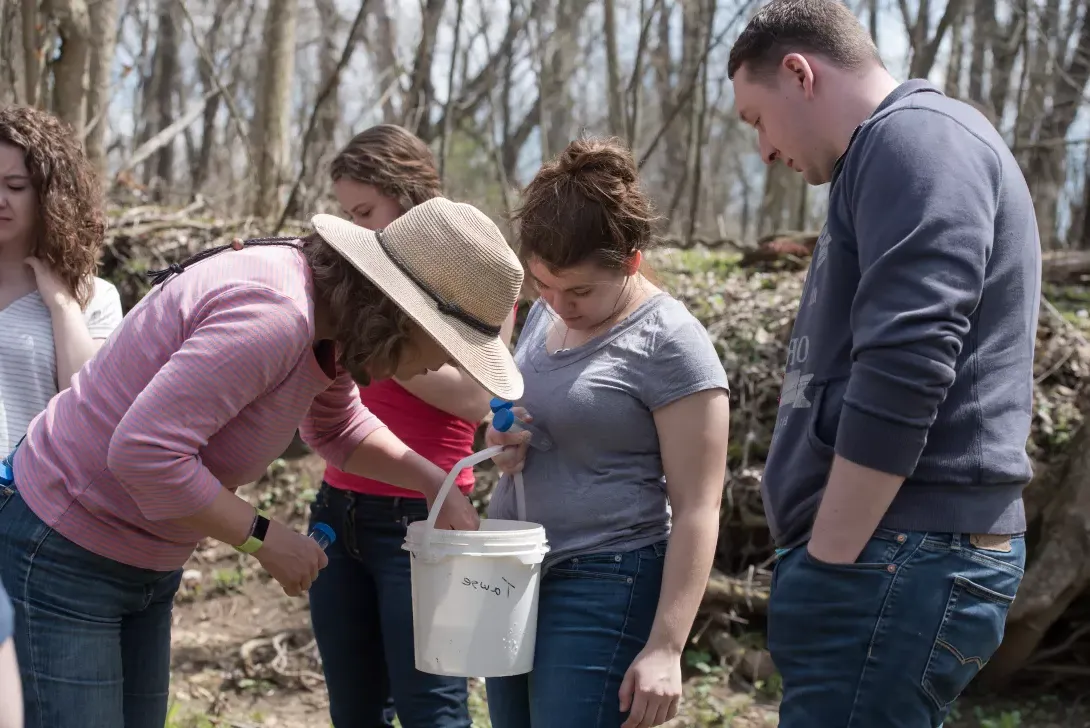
28 359
601 486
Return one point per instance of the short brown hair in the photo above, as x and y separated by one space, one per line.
586 204
369 328
823 27
71 222
392 159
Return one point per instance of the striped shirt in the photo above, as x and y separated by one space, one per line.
28 358
200 388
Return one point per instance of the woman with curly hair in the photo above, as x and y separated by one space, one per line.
54 311
629 388
203 384
361 604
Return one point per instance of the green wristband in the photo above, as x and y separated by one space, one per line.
257 534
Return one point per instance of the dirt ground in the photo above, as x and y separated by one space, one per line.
244 656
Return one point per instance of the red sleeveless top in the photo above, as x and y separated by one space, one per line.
437 435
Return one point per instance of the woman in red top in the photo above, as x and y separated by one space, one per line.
361 603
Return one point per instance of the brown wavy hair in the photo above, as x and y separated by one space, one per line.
585 204
370 329
71 222
392 159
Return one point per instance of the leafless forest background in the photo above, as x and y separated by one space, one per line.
210 118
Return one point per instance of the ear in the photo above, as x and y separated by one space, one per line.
632 265
802 73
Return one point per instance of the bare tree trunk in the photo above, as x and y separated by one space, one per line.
32 42
1040 77
1081 234
70 70
421 96
698 141
872 18
271 127
983 34
385 57
103 42
206 73
634 92
444 141
321 148
776 205
1047 164
1005 47
925 46
613 72
9 37
561 58
166 79
952 87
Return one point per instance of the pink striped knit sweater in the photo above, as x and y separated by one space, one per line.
201 387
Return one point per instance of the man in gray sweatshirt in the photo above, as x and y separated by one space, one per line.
894 482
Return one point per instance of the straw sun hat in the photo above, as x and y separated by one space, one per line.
448 267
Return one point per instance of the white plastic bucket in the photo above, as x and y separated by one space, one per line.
475 593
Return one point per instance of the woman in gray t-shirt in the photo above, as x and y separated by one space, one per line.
628 387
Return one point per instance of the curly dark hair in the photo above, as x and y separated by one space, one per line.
392 159
71 222
585 204
370 329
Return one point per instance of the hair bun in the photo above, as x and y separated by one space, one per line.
598 157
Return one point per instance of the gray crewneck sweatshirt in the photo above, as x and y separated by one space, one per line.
912 350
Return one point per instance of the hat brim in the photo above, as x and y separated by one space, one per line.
485 358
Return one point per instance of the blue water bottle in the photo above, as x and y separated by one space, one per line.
323 535
504 420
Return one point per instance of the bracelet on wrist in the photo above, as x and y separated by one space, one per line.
258 529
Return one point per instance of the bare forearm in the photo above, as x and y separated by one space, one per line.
72 342
855 500
227 518
689 557
384 457
452 391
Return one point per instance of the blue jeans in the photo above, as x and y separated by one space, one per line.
92 635
893 639
361 609
595 614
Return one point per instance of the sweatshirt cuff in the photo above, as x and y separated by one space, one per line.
877 443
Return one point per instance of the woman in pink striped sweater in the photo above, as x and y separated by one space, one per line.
199 389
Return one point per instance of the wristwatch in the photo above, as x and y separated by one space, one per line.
258 529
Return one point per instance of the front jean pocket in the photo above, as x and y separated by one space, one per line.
970 633
603 567
878 554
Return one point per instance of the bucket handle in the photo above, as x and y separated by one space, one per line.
468 462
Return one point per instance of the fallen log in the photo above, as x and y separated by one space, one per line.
750 663
1060 266
744 595
792 248
1058 570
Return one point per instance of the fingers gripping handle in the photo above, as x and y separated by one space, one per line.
466 462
